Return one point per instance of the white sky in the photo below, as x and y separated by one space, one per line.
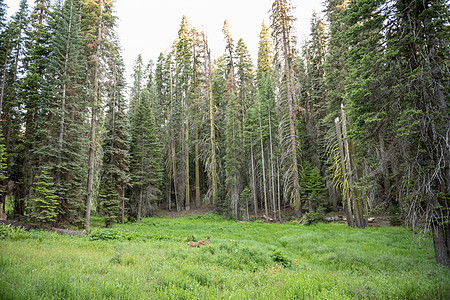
149 27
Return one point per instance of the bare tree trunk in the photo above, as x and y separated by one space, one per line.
263 165
186 157
213 167
253 180
272 175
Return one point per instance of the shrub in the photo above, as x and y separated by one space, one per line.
14 233
314 216
112 234
279 257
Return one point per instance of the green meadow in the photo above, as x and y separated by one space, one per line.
151 260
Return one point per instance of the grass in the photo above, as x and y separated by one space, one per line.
150 260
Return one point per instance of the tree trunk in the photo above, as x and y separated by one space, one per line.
347 203
263 164
93 129
186 167
213 167
253 179
272 175
441 241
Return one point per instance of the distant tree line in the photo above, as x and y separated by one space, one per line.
356 116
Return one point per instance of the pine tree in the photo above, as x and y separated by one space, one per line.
32 91
282 21
145 160
234 126
2 16
44 199
265 53
180 118
97 27
13 49
63 150
115 166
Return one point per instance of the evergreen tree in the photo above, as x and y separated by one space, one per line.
13 49
284 76
97 27
2 16
265 53
145 160
32 89
63 150
44 199
115 166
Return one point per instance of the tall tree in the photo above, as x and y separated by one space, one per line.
63 150
32 91
234 128
13 50
115 167
145 159
282 24
98 22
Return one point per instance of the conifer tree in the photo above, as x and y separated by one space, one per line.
32 91
115 166
282 21
234 128
63 150
13 49
145 160
180 119
44 199
97 27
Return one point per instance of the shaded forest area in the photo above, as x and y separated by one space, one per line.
356 116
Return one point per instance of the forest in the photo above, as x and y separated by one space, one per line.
356 117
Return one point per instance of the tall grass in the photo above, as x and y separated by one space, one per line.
150 260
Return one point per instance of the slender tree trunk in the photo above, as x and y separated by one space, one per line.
263 164
253 179
196 150
272 175
213 167
186 157
93 129
2 94
139 210
279 190
174 170
61 135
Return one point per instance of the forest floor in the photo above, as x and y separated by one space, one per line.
380 220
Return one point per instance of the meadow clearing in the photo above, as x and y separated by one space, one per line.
252 260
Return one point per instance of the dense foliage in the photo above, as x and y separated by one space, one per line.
357 116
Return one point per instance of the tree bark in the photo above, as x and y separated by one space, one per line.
93 129
441 241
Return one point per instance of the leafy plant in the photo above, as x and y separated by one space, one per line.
312 217
279 257
14 233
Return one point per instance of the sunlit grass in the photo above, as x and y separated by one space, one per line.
325 261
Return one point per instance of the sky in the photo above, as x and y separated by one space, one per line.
149 27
